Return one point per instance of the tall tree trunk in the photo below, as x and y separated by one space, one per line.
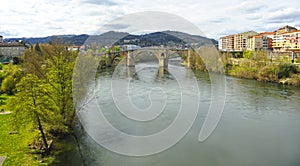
40 127
41 131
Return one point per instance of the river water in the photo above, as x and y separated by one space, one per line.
260 124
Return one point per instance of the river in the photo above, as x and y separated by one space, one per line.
260 124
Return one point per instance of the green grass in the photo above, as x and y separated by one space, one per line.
15 146
3 100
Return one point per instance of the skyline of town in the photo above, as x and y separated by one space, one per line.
283 39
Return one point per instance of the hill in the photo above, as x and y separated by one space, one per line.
152 39
69 39
192 38
106 39
166 38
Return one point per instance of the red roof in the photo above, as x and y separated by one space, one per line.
267 33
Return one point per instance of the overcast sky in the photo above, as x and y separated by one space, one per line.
39 18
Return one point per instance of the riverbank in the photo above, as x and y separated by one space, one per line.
17 146
249 65
14 145
277 72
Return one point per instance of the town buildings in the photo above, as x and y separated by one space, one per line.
8 50
285 39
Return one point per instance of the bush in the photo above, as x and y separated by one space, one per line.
295 80
286 70
248 54
268 73
243 72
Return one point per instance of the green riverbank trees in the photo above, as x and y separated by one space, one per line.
43 96
252 65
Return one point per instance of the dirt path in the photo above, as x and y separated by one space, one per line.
4 113
2 159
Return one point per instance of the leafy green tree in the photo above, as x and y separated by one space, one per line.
11 76
33 63
38 49
59 75
32 105
8 85
55 66
248 54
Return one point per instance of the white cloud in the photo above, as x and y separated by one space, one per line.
50 17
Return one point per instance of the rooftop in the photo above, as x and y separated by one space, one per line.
287 26
268 33
13 44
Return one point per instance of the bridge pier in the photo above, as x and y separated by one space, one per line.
163 60
189 58
161 72
130 62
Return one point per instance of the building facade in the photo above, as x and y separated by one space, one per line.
255 43
284 39
227 43
11 49
235 42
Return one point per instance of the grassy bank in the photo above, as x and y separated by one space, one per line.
15 146
249 65
281 72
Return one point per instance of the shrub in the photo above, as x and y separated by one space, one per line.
268 73
248 54
295 80
286 70
243 72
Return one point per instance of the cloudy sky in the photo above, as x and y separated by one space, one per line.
39 18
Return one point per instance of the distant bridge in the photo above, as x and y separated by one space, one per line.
162 54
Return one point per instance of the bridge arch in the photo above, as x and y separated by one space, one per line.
161 54
150 55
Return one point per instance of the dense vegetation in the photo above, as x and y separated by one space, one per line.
40 99
250 65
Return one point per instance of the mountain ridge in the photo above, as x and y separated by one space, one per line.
169 38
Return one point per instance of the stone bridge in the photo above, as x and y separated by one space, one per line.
162 55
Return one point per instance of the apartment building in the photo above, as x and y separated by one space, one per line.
235 42
292 41
241 41
285 39
255 43
226 43
267 40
